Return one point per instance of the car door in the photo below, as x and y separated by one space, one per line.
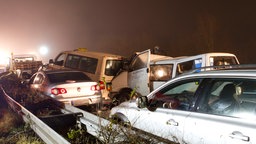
168 109
222 124
138 75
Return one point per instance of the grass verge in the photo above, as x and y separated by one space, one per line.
13 130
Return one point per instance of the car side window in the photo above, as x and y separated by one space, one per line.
185 66
180 96
88 64
230 97
72 61
60 59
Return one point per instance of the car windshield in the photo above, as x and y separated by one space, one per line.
65 76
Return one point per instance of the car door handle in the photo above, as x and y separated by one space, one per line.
172 122
239 135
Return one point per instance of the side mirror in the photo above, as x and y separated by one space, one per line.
142 102
50 61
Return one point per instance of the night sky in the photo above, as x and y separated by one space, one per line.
178 27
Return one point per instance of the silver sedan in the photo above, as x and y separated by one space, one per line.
68 86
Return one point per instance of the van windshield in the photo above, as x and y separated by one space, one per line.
113 67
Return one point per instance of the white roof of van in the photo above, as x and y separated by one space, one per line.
175 59
92 53
154 57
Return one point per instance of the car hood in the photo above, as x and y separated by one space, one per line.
130 103
125 105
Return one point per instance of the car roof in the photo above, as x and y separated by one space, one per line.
186 58
237 70
59 71
92 53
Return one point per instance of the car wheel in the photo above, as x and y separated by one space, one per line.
119 121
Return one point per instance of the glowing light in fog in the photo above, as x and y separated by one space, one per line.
43 50
4 58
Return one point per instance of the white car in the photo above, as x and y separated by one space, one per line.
68 86
211 107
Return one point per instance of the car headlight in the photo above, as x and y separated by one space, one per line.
160 72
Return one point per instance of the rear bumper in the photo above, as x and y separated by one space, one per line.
79 101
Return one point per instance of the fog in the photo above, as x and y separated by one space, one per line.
124 27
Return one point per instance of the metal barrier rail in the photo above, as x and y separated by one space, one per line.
92 122
47 134
95 125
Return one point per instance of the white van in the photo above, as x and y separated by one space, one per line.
163 70
146 74
100 67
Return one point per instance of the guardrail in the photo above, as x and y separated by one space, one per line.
47 134
93 124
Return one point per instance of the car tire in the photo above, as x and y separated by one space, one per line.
119 121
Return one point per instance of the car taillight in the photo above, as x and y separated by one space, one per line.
57 91
102 85
99 86
95 88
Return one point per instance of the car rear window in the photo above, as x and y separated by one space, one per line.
65 76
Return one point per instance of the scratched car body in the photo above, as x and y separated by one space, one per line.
68 86
201 108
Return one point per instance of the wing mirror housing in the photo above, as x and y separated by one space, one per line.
142 102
